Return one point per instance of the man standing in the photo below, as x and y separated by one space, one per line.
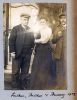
60 51
21 43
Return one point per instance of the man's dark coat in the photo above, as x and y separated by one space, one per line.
17 37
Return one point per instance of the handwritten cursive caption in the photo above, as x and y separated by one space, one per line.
39 95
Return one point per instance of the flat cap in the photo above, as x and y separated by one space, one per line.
62 14
24 15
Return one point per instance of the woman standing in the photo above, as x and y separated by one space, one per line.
41 76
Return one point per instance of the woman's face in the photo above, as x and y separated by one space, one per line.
43 22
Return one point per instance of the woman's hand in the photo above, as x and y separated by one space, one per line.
38 41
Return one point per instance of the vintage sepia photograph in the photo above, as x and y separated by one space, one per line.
35 46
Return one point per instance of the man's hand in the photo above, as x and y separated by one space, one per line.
60 33
13 54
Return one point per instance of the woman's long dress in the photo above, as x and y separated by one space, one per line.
42 69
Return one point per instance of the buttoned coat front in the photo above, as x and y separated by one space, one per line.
16 40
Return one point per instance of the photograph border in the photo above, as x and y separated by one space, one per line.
7 93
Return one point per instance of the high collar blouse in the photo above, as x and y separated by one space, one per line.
46 35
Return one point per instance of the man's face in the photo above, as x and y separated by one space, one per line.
24 20
63 20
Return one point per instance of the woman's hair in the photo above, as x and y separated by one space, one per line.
42 17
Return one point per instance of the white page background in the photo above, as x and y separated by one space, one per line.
6 94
